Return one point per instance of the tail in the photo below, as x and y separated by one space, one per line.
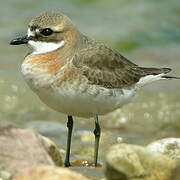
153 74
167 70
170 77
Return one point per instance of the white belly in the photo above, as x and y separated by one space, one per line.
77 98
71 100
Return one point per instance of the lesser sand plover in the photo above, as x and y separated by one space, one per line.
78 76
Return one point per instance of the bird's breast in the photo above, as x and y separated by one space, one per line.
39 70
50 62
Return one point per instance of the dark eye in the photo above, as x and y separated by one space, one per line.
46 32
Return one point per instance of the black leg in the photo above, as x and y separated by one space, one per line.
70 127
97 133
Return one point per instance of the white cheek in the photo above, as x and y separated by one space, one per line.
39 47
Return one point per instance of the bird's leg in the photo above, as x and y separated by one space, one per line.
97 133
70 127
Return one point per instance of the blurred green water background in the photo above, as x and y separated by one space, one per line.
145 31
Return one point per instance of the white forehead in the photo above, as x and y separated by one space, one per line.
32 33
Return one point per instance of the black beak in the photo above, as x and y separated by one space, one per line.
18 41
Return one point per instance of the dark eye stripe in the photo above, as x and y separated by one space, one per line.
46 32
33 28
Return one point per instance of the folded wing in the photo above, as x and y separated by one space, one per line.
108 68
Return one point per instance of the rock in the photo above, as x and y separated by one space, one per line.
22 148
52 150
176 173
4 175
168 146
131 162
49 173
26 155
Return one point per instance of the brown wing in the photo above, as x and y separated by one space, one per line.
106 67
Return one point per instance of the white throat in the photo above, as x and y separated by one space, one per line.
39 47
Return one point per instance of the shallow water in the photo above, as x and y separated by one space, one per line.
145 31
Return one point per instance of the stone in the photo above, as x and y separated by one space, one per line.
49 173
23 148
167 146
4 175
52 150
132 162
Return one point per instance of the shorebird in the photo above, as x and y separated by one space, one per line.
78 76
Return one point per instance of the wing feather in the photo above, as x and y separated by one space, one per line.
108 68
